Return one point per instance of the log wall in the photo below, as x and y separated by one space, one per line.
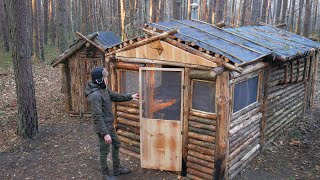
288 93
128 126
244 131
201 145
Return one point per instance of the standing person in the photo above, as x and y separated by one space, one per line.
100 97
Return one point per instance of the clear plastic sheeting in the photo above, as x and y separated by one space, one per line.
245 93
161 94
203 96
129 81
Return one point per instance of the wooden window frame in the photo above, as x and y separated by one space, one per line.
258 96
215 105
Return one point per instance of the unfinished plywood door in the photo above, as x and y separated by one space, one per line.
161 118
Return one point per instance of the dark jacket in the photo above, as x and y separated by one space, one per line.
101 106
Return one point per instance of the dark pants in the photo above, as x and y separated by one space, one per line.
105 149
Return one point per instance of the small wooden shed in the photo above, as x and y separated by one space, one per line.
76 64
211 98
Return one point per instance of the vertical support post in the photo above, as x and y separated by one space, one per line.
186 110
291 72
315 74
223 125
265 89
286 74
306 80
113 85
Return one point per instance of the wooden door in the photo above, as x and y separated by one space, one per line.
161 108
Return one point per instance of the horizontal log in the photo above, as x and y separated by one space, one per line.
287 103
248 69
201 149
202 143
253 119
134 104
243 152
201 131
199 168
129 135
128 109
203 115
245 162
281 91
244 117
280 129
203 75
202 126
131 148
91 42
133 117
193 177
127 66
279 125
245 110
131 142
237 143
199 174
201 137
282 114
245 77
200 162
202 120
255 125
201 156
130 153
243 146
289 91
128 122
131 129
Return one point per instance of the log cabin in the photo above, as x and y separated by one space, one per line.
210 98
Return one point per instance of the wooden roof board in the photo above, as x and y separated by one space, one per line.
169 53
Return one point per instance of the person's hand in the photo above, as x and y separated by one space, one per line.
135 96
107 139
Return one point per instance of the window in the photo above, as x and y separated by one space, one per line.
129 81
203 96
245 93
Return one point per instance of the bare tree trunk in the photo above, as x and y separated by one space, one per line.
255 12
284 10
298 30
243 13
176 9
212 6
307 16
45 21
21 37
219 11
53 18
189 9
4 25
293 3
264 11
278 12
153 11
62 36
233 13
40 33
35 29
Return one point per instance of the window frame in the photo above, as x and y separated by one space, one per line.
191 100
119 78
259 88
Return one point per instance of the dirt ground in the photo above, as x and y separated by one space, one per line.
67 148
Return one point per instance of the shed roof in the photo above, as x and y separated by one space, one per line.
241 45
103 39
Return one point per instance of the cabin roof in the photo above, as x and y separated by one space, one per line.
107 39
241 45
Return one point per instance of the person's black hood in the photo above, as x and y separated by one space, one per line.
91 87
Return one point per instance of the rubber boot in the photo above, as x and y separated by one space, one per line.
121 170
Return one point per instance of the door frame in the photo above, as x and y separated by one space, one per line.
181 70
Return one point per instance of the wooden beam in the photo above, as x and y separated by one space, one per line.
223 121
70 51
186 111
127 66
249 69
196 52
143 42
91 42
315 74
220 24
266 79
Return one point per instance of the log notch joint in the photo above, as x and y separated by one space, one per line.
223 119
